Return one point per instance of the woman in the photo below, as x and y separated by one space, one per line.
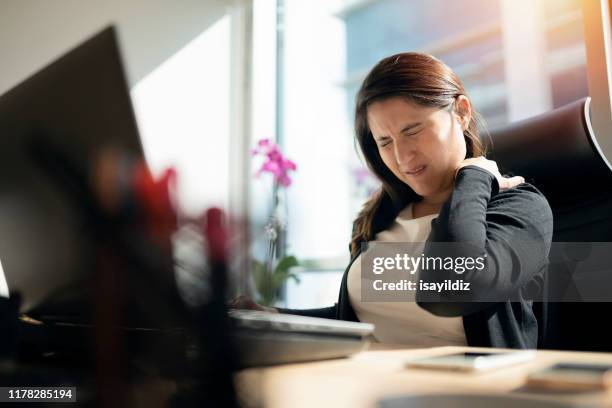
417 130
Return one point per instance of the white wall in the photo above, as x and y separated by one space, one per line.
34 32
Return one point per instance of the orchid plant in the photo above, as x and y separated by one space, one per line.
270 275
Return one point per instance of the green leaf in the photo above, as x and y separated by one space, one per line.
278 279
267 284
295 277
286 263
260 277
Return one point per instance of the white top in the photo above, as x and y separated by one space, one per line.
404 322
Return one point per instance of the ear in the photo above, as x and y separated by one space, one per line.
463 110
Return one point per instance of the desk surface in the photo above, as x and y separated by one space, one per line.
362 380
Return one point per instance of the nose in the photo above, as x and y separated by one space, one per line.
405 153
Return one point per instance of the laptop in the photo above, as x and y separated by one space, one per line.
80 104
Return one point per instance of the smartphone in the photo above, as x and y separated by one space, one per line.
572 376
473 361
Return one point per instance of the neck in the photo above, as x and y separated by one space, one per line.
437 199
421 209
431 204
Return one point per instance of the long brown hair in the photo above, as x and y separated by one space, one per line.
419 78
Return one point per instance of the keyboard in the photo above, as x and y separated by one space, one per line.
265 338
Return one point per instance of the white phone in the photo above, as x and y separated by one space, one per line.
572 376
473 361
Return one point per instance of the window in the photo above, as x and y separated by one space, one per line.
565 51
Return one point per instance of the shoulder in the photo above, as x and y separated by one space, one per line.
525 193
523 199
525 204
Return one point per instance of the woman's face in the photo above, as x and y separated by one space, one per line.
421 145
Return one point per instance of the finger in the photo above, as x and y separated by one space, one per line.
517 179
511 182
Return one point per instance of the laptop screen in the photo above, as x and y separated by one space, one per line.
79 104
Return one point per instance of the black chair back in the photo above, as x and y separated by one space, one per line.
557 152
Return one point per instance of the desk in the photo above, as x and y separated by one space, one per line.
360 381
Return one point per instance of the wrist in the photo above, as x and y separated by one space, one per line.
477 174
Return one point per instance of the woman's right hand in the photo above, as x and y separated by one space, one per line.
245 302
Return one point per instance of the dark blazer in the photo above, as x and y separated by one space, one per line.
514 228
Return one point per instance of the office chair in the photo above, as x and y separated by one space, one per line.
556 152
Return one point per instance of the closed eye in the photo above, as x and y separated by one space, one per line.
384 142
413 133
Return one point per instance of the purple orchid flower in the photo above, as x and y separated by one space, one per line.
274 163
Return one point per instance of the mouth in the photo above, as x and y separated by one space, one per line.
416 171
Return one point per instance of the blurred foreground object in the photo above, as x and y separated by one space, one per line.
86 238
